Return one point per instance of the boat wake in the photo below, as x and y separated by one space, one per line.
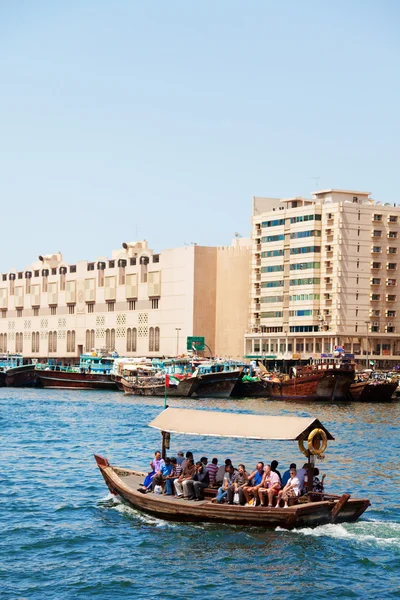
115 503
384 534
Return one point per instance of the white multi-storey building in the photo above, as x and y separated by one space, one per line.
138 303
325 274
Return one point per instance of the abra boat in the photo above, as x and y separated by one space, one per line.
311 510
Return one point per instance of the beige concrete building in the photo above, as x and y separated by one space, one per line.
325 274
137 302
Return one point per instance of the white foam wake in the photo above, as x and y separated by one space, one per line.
379 533
127 510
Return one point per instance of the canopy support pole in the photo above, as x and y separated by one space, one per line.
310 473
163 454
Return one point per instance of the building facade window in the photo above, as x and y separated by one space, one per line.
274 223
302 218
296 235
19 312
154 303
272 238
307 281
151 339
305 265
157 339
305 249
131 304
90 308
272 284
110 306
53 310
272 268
35 312
52 341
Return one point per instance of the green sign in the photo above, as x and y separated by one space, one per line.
195 343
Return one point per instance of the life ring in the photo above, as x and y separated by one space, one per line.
322 448
311 448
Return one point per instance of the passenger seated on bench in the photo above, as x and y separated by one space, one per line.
187 456
228 480
195 487
160 477
240 479
318 485
221 472
291 489
255 482
175 473
270 487
181 483
212 469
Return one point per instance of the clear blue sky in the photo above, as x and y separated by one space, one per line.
161 120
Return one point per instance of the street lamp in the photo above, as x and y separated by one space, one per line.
367 355
177 329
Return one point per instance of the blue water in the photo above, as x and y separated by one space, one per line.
64 537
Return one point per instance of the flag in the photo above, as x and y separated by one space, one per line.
171 381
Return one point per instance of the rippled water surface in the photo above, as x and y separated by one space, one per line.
64 537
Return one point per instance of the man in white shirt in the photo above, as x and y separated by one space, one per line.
291 489
301 476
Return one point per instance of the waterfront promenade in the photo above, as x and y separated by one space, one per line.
64 537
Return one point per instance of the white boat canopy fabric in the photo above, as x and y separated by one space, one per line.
236 425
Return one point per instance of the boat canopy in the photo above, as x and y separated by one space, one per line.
236 425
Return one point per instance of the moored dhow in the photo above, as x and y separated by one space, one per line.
311 510
92 373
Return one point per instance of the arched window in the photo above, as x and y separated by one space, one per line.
5 343
1 342
92 346
54 341
68 341
157 339
128 340
151 339
50 341
134 339
18 342
73 341
87 342
33 342
108 339
112 341
37 342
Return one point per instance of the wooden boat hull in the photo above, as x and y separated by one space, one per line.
185 388
250 389
366 391
295 389
335 385
22 376
217 385
124 483
77 381
2 379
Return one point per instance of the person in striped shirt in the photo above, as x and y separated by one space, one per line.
212 469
